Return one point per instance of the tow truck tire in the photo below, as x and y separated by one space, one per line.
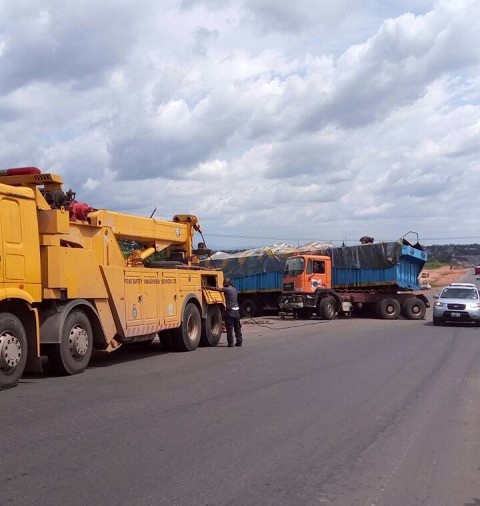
72 354
212 326
414 309
388 309
13 350
187 336
326 308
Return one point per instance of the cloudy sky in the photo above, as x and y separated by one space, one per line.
273 122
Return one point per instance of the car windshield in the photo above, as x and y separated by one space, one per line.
294 266
459 293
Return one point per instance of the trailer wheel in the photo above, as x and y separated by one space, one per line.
414 309
72 354
13 350
326 308
212 326
248 308
388 309
187 336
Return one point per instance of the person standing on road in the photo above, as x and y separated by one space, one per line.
232 313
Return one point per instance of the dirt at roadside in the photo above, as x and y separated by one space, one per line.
444 275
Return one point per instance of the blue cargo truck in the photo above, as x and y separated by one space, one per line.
376 278
256 274
258 293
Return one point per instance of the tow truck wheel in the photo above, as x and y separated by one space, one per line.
212 326
187 336
414 309
72 354
388 309
13 350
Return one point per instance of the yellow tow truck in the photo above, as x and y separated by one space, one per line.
66 287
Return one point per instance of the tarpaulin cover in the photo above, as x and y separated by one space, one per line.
367 256
381 255
260 260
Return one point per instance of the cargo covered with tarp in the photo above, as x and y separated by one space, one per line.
260 260
394 264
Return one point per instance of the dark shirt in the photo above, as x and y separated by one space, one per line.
231 300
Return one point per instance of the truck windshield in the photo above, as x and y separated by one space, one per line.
294 266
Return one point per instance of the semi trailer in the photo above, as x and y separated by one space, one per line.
374 278
371 278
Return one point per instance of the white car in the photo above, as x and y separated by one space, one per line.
458 302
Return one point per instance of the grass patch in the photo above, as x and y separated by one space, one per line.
434 265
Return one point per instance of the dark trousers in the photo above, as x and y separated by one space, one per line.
232 322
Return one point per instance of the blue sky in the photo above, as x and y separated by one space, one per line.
273 122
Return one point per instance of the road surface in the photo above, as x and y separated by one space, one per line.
348 412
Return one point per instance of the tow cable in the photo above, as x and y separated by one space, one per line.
250 318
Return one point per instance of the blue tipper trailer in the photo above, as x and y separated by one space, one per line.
256 274
385 264
358 272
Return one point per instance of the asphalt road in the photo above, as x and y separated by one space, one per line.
349 412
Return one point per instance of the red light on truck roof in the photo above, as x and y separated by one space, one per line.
20 171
